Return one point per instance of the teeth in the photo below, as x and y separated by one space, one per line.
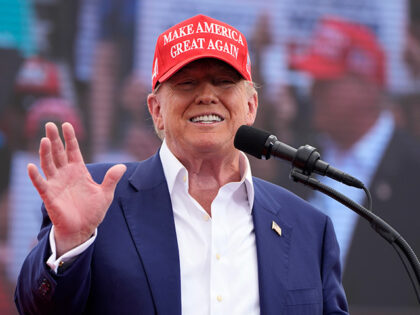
207 119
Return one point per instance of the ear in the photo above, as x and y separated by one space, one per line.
155 111
252 108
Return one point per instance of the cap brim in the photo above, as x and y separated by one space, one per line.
182 64
318 67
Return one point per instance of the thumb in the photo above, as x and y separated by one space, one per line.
112 177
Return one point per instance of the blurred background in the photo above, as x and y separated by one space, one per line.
343 76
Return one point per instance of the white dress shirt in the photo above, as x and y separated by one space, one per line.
218 256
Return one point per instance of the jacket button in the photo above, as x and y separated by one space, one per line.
45 287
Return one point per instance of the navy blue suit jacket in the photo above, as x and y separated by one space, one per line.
133 265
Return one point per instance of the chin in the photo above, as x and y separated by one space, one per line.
208 143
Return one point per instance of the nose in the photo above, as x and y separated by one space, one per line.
206 94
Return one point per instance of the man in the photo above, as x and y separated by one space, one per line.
189 230
358 135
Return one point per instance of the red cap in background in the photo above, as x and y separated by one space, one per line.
38 76
52 109
339 47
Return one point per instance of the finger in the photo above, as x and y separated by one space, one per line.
37 180
45 156
72 146
57 147
112 177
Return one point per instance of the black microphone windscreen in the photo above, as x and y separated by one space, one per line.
251 140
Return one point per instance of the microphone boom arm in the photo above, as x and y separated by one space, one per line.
306 160
378 224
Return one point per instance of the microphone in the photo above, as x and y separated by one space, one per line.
263 145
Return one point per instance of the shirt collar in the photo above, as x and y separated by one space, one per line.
376 139
176 173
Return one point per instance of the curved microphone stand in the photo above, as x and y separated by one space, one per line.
378 224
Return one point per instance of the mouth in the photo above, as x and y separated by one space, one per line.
207 119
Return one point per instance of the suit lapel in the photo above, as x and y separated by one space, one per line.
148 212
272 251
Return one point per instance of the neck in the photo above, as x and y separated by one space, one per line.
207 175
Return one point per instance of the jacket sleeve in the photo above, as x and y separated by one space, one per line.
40 291
335 301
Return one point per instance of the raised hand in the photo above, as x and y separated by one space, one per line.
75 203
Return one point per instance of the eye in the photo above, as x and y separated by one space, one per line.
224 81
185 84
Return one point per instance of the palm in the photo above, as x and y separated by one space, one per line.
73 199
75 204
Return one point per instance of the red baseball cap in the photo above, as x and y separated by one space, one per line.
52 109
340 46
195 38
38 76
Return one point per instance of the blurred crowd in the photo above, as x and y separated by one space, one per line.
79 61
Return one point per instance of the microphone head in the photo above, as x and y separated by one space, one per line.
251 140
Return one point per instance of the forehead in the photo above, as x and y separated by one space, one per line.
206 65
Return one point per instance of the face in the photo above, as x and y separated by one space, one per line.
344 107
200 108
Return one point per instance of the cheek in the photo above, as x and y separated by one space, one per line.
330 103
172 119
241 115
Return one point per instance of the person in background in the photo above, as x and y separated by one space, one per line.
357 134
188 231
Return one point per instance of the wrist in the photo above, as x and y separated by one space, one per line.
66 242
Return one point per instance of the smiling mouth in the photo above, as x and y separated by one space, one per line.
206 119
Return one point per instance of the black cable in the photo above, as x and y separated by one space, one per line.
407 269
369 198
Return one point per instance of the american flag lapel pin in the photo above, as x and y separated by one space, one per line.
276 228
